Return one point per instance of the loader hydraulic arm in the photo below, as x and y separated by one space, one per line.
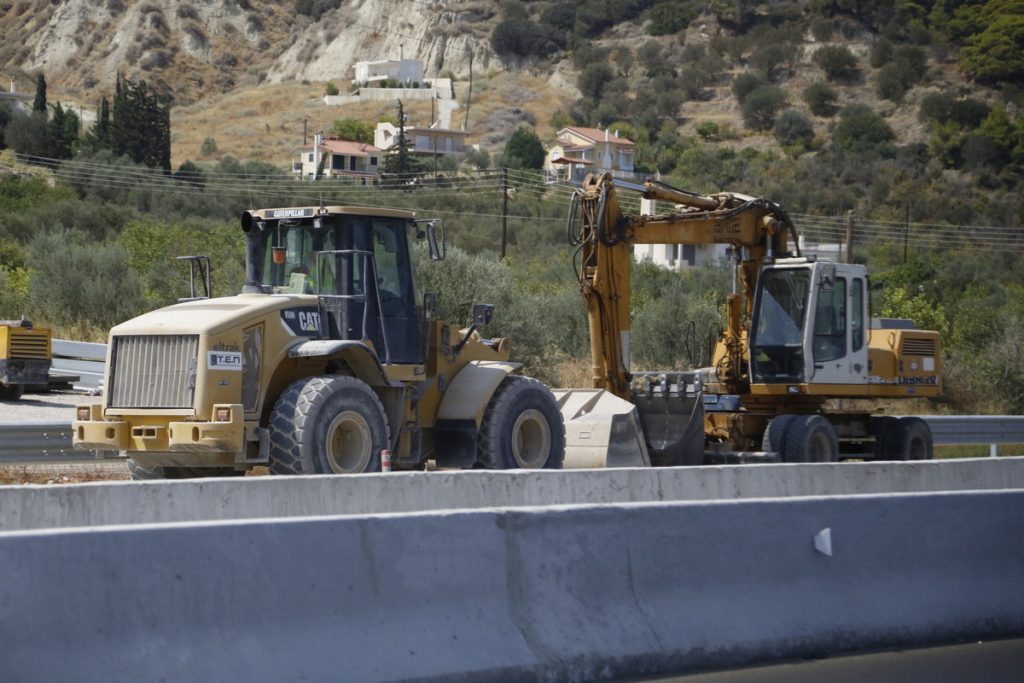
603 235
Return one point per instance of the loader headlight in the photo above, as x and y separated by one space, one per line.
82 413
223 414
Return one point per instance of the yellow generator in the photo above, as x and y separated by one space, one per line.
25 356
329 361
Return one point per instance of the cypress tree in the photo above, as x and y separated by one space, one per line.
39 103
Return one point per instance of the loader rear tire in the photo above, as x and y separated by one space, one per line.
139 472
909 439
522 428
11 392
774 438
810 438
327 425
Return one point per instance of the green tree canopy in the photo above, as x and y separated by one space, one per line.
524 149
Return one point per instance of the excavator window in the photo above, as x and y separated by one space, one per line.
830 322
776 347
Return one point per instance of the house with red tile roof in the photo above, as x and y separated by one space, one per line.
584 150
332 156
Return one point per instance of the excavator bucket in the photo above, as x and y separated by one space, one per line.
601 430
671 410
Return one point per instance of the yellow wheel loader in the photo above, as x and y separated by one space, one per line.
25 357
798 333
329 361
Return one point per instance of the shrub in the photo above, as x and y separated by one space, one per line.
670 16
860 128
821 99
793 128
838 63
331 89
708 130
71 280
760 107
744 84
770 60
523 38
209 147
593 79
822 29
890 83
881 53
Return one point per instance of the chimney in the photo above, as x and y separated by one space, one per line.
616 133
606 135
318 140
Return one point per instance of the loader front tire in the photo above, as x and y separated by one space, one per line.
522 427
327 425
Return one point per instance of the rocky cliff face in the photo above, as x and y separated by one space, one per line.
195 49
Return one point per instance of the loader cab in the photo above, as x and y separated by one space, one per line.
809 324
358 266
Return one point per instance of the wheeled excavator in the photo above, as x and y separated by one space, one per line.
797 335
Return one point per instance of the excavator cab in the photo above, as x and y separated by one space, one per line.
809 324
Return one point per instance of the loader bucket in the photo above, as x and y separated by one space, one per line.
671 410
601 430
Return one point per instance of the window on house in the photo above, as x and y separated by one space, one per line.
373 161
310 157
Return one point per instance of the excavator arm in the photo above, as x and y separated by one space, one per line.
756 228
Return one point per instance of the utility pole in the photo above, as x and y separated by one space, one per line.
849 236
906 233
305 130
504 210
469 93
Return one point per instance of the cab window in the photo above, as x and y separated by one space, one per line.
830 322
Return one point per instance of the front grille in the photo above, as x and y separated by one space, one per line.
26 344
918 347
153 371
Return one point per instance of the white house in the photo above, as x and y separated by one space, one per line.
332 156
423 141
401 70
579 150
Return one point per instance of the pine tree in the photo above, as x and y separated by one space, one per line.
399 160
101 132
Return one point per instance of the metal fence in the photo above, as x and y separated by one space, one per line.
50 442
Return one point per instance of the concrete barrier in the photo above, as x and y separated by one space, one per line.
571 593
106 503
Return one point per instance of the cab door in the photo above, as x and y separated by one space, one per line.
838 337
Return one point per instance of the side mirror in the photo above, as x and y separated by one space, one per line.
429 305
482 314
435 242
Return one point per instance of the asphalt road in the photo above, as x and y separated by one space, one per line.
1000 661
51 406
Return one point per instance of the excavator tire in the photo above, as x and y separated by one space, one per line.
139 472
810 438
11 392
775 434
327 425
909 439
522 428
880 427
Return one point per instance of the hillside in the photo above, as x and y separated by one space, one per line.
248 74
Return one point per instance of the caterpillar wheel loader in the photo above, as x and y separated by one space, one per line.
327 362
797 334
25 357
